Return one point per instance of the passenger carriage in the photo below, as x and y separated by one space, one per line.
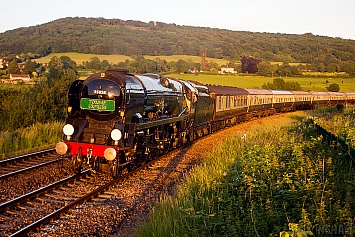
320 98
282 100
231 104
336 98
302 99
350 98
260 102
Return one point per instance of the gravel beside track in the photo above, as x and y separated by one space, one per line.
28 181
128 203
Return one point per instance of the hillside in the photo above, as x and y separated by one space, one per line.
114 36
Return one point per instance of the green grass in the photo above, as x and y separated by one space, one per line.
36 137
115 58
80 57
291 64
226 80
307 83
282 174
184 214
196 59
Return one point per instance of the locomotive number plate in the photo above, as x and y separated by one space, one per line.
96 104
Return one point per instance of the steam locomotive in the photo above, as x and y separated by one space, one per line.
116 120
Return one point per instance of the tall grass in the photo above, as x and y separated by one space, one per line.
36 137
282 174
196 203
342 124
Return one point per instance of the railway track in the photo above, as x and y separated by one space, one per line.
22 215
20 164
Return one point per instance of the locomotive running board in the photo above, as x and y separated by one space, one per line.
141 126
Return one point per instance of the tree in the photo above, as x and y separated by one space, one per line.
284 70
213 66
162 65
68 63
29 68
13 67
41 103
172 66
146 65
55 67
280 84
218 53
265 69
105 64
348 67
95 63
182 65
334 87
295 70
250 65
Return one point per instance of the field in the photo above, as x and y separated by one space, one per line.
307 83
115 58
80 57
196 59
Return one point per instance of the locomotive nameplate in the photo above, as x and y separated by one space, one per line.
96 104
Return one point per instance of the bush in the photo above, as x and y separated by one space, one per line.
340 108
333 87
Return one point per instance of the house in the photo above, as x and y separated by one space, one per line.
225 70
23 77
14 78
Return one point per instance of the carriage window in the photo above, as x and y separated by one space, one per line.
219 102
227 102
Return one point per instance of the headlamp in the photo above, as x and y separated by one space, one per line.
68 129
61 148
110 154
116 134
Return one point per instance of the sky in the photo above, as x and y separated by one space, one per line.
333 18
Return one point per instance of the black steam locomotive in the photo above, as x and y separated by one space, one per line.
117 120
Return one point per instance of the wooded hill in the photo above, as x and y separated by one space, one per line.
114 36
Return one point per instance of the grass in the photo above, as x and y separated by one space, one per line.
307 83
282 174
36 137
195 197
291 64
115 58
196 59
80 57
